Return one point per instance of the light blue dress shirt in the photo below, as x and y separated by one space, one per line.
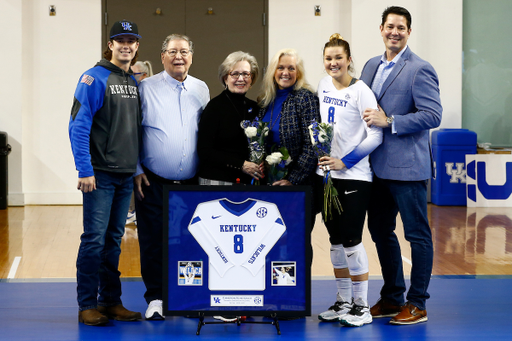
170 114
382 74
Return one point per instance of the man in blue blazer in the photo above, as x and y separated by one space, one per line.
407 90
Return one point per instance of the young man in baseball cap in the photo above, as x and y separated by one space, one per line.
104 130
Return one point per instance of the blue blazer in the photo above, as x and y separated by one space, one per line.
411 95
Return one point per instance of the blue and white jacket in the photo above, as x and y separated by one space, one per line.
105 122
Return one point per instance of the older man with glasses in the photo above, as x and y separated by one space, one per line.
172 102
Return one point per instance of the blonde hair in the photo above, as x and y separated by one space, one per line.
145 67
268 91
229 63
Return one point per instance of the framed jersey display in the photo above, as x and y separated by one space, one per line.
237 250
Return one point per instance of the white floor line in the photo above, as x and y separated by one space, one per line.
407 260
14 267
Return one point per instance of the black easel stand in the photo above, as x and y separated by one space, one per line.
274 322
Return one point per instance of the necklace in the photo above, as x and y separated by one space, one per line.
272 124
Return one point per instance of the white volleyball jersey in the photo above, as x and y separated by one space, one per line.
237 237
353 140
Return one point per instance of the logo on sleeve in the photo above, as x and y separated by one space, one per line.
87 79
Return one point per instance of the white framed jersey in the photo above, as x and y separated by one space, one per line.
237 237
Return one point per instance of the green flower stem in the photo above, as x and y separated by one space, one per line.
330 197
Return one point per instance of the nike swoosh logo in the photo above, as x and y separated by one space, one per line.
347 192
350 255
215 217
326 92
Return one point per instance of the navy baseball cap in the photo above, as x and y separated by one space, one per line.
124 27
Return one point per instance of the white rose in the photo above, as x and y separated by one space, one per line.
311 135
321 138
265 131
274 158
288 161
251 131
270 160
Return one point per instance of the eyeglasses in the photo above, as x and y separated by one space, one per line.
173 53
237 74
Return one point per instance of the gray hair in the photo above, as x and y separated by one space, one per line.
145 67
229 63
177 37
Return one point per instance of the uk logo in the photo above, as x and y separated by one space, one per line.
216 300
457 174
126 26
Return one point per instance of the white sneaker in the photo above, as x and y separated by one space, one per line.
336 311
131 219
154 311
357 316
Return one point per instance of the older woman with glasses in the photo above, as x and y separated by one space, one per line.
289 106
222 145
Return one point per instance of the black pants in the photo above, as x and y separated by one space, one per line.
354 195
150 231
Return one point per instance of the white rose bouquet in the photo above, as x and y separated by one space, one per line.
278 162
256 132
321 137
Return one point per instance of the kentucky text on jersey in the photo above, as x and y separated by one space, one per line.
224 259
123 89
256 254
335 101
237 228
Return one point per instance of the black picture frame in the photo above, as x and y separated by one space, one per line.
291 252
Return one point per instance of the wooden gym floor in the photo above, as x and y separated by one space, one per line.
40 243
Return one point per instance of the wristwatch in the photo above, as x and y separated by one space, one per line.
390 119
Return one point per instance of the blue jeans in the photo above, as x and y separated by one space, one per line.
410 199
105 210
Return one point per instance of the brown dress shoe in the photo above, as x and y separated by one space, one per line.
92 317
119 313
384 309
410 314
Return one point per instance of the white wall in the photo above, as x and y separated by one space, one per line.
436 37
11 92
46 55
45 58
293 24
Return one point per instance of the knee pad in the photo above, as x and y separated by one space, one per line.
338 257
357 259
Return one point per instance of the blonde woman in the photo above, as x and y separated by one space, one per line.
289 106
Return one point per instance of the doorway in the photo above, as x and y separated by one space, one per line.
217 28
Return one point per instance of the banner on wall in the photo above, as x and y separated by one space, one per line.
237 250
489 180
